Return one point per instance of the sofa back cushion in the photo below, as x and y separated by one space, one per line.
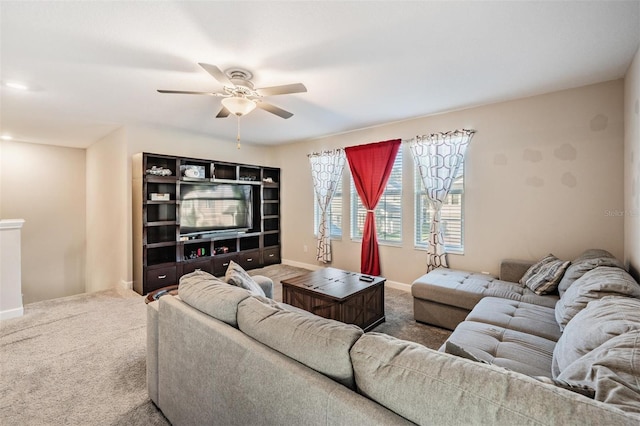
613 370
212 296
600 321
584 263
318 343
430 387
595 284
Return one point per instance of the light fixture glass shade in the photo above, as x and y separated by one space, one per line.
238 105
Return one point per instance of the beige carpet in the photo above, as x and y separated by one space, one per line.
80 360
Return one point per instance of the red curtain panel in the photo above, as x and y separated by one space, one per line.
371 166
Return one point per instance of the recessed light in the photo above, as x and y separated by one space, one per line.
16 85
6 137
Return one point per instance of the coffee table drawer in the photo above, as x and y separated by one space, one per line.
161 277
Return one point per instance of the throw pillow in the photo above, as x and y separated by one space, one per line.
237 276
543 277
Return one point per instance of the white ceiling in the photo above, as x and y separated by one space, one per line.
94 66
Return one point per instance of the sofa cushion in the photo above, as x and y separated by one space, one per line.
543 276
519 316
600 321
466 289
613 370
319 343
595 284
212 296
237 276
584 263
517 351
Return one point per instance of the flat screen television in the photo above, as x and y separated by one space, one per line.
215 207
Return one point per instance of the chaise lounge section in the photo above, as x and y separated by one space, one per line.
587 339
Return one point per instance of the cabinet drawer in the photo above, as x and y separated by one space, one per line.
221 262
271 255
249 259
161 277
205 265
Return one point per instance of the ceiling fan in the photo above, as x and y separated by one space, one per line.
239 97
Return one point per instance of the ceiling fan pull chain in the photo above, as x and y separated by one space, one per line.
238 136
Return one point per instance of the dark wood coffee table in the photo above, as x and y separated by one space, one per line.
336 294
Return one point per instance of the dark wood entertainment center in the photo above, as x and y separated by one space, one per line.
162 254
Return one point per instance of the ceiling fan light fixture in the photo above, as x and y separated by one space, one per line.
238 105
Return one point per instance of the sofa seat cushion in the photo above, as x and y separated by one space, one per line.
599 322
584 263
514 350
466 289
613 370
519 316
212 296
595 284
319 343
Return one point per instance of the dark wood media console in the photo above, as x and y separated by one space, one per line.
163 253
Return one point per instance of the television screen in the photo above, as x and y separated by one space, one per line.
214 207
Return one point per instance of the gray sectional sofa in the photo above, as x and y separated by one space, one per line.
218 354
585 335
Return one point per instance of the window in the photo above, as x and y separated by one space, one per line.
388 211
335 213
451 217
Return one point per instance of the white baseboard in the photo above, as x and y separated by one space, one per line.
392 284
301 264
399 286
11 313
127 285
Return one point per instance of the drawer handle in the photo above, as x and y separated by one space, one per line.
271 255
249 260
162 277
225 264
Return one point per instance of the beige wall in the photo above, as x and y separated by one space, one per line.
632 167
45 186
542 173
107 229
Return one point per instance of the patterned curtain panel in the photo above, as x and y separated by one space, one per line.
438 157
326 170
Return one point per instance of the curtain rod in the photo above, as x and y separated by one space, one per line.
326 151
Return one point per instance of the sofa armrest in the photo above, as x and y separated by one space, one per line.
512 269
265 283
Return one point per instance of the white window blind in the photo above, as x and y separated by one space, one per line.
451 217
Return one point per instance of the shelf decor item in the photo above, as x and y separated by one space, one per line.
193 171
155 196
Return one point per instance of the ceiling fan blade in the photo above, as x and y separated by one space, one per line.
274 110
223 113
282 90
186 92
217 74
